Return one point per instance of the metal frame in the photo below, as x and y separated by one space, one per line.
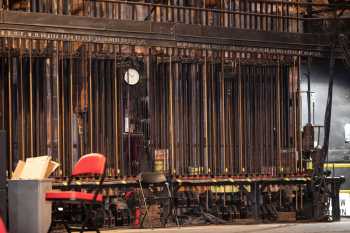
164 184
86 205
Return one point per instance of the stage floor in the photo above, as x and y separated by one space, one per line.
337 227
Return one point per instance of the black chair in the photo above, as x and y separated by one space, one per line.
155 189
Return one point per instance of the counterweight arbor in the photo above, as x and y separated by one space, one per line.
228 115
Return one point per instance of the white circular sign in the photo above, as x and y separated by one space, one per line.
131 77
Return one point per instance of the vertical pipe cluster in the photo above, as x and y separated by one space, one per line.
65 99
215 112
230 116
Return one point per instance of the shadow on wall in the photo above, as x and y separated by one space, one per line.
338 150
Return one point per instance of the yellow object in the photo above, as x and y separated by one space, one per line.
336 165
158 166
248 188
309 165
224 189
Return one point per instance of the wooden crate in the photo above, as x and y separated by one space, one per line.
286 217
153 217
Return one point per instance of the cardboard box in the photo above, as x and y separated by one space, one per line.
35 168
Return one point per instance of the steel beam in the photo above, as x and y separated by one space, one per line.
100 30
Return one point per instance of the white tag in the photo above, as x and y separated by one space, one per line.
347 133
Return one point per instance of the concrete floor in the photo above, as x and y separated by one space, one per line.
342 226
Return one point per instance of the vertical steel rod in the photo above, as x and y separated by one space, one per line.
171 124
308 76
90 100
31 150
10 111
22 140
116 113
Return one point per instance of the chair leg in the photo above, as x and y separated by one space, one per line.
146 207
67 228
143 218
50 228
173 210
86 220
173 215
176 218
88 216
53 223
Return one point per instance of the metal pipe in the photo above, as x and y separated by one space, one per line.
22 119
295 113
62 101
205 113
31 150
240 96
300 117
222 115
328 112
70 132
308 76
10 112
171 124
278 128
116 114
90 101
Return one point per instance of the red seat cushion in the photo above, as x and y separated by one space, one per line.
72 196
2 227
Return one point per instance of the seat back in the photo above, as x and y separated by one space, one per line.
93 164
152 178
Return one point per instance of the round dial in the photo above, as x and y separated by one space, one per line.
132 77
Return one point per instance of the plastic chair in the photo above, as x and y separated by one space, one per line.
90 203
